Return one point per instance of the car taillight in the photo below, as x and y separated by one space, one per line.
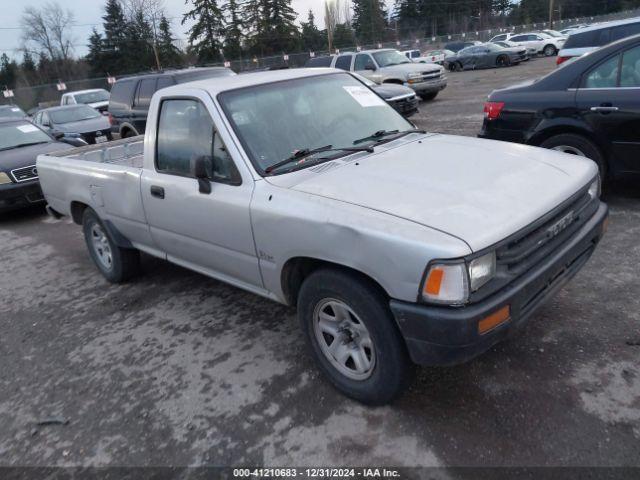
492 110
560 60
110 117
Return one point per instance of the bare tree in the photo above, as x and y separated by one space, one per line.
152 11
48 30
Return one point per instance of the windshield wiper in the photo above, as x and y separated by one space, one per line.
23 145
380 134
301 154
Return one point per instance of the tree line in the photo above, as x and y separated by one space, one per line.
137 35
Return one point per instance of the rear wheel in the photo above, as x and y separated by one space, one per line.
455 66
549 50
115 263
353 337
574 144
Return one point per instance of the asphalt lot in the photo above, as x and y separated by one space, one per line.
177 369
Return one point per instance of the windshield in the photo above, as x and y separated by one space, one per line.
553 33
314 112
92 97
20 133
388 58
11 112
492 47
73 114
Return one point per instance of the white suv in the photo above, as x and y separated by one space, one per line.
543 43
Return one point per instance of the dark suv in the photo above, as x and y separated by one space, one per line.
131 96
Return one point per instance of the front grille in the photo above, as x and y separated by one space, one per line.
530 247
428 76
25 174
406 104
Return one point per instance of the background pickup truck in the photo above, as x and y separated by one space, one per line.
307 188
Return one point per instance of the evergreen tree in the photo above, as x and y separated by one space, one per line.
96 56
115 56
312 38
206 33
8 72
233 31
271 26
169 54
369 20
343 36
139 41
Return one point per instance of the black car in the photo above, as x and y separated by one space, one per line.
488 55
20 144
11 111
131 96
588 107
403 99
75 122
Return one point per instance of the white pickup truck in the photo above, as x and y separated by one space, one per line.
397 246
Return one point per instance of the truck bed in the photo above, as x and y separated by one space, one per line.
126 152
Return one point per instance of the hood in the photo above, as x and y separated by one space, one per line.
390 90
26 156
407 68
480 191
84 126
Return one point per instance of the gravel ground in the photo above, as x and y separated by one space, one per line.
178 369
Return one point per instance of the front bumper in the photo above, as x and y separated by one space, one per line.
406 105
19 195
449 336
429 86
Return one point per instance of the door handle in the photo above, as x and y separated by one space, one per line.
603 109
157 192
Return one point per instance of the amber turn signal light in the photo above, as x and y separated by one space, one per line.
496 318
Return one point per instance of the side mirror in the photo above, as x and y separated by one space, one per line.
370 66
57 134
201 172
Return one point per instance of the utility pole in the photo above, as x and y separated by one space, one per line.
550 14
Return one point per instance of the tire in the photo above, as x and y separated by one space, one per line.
454 67
428 96
502 61
574 144
549 50
362 317
115 263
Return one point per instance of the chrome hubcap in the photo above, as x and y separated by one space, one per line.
101 246
569 149
344 339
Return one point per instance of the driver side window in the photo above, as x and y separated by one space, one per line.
364 62
186 132
630 73
604 75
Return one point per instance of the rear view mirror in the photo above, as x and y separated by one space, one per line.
202 167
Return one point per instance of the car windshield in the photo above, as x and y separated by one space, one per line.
388 58
316 112
92 97
492 47
18 134
73 114
11 112
553 33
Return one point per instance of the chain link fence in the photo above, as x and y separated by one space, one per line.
47 95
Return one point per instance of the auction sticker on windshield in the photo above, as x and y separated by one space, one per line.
364 96
27 128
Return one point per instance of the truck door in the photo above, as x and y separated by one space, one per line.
210 232
609 101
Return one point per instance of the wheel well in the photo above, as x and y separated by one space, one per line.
540 137
77 210
394 80
297 269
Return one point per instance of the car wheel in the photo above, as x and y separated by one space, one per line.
353 336
428 96
577 145
549 51
454 67
502 61
115 263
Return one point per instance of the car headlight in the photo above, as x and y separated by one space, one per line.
73 135
4 178
451 282
594 188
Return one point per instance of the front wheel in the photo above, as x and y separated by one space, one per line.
353 337
549 51
502 61
428 96
115 263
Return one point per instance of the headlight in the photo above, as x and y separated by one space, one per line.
481 270
4 178
72 135
451 283
594 188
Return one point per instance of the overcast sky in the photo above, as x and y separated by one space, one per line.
89 12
